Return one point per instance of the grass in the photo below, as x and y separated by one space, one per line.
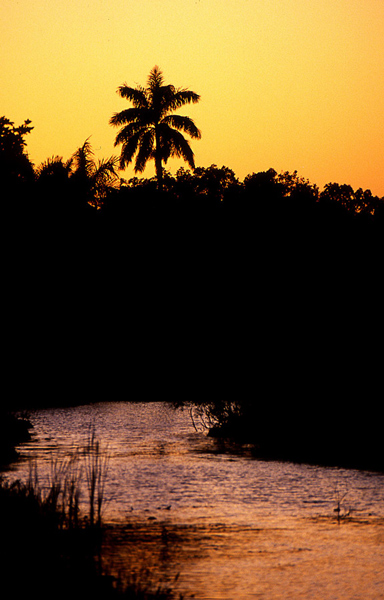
51 546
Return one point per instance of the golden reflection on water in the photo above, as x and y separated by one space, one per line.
309 558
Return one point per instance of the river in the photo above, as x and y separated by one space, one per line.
230 526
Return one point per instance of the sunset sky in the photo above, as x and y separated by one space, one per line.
287 84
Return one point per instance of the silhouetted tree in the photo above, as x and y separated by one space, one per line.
365 202
263 184
263 193
334 192
214 182
282 191
93 180
15 166
53 183
54 168
149 129
291 181
359 202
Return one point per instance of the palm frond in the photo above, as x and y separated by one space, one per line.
165 96
181 97
126 132
106 170
53 166
68 164
83 159
129 149
145 150
137 95
173 143
155 78
104 178
182 124
85 151
127 116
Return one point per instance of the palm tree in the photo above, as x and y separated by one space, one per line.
93 179
149 129
54 168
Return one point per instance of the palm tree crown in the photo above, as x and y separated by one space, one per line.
149 130
94 178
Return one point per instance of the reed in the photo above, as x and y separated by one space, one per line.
96 470
341 511
45 534
60 495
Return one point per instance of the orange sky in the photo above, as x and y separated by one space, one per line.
288 84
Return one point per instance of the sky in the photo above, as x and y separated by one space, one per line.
284 84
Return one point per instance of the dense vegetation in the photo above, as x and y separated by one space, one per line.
309 432
214 289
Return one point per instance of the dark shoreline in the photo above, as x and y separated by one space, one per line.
331 448
354 446
14 430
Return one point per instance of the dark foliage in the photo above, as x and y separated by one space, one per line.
213 289
15 166
312 431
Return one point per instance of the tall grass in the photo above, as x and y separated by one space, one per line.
60 495
51 545
96 470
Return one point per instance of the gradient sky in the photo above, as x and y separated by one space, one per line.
287 84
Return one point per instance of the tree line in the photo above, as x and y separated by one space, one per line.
81 181
152 130
58 190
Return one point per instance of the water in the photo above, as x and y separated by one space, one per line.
230 525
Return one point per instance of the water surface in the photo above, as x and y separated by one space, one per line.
230 525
